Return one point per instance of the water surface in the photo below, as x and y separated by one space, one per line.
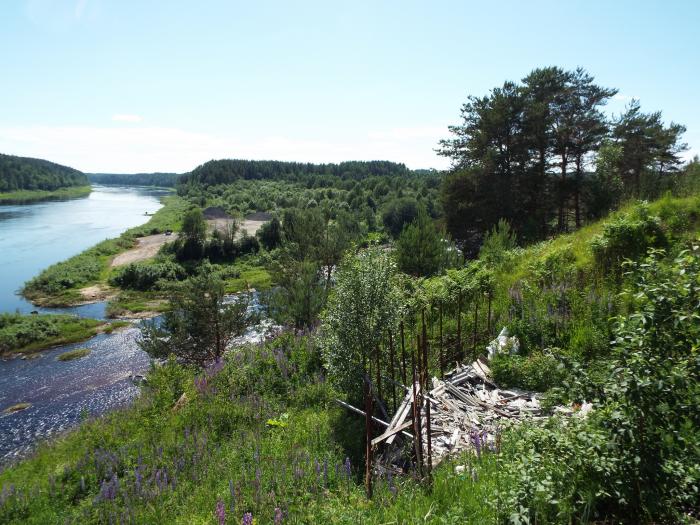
35 236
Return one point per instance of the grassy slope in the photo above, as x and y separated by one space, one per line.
680 217
275 439
268 465
60 284
27 196
32 333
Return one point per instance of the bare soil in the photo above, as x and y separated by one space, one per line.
146 248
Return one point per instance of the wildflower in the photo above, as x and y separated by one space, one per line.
475 437
233 495
247 519
220 512
348 467
278 516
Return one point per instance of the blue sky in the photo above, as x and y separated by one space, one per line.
127 85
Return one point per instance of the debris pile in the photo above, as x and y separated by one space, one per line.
466 408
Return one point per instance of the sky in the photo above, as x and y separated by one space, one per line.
122 86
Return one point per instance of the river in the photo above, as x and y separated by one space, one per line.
32 237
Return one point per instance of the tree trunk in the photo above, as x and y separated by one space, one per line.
368 438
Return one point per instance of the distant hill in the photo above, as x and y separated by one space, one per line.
229 170
165 180
25 173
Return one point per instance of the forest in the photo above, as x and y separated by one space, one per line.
23 173
161 180
577 232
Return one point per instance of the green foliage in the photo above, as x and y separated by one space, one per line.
74 354
420 249
300 294
160 180
521 151
142 276
27 196
627 237
23 173
398 213
27 333
651 398
539 371
497 242
200 325
363 308
270 234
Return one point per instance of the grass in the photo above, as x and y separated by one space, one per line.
60 284
32 333
71 355
16 408
255 277
132 303
27 196
155 464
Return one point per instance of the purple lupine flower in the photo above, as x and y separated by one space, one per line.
247 519
233 495
475 437
348 467
278 516
220 512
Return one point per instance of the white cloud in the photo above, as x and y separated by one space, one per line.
124 117
126 149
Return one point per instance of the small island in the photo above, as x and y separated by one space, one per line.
25 334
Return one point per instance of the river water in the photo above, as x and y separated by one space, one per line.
32 237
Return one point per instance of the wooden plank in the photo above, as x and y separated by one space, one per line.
391 433
362 413
400 416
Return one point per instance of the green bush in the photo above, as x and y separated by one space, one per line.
627 237
538 371
144 276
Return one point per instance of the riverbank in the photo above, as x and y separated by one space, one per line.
26 334
29 196
71 282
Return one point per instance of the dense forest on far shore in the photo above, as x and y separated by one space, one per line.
25 173
163 180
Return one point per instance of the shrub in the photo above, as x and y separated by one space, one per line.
139 276
538 371
628 237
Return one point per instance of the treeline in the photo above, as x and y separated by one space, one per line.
24 173
163 180
227 171
542 155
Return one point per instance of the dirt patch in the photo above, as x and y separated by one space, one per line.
250 225
146 248
96 293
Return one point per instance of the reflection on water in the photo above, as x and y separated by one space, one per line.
61 392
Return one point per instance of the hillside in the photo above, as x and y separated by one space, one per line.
230 170
162 180
24 173
24 179
259 432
